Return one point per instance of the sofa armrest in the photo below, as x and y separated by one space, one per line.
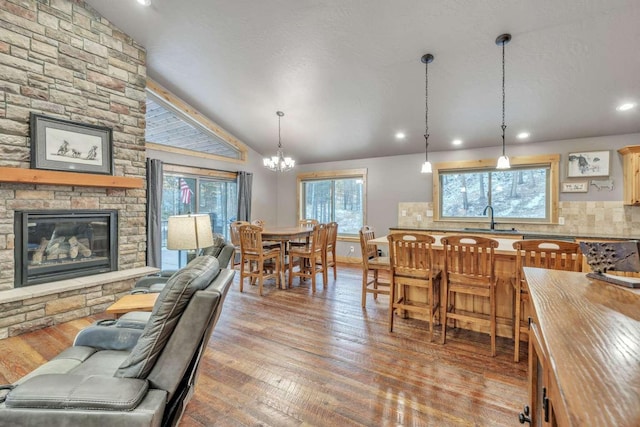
66 391
107 335
147 281
225 255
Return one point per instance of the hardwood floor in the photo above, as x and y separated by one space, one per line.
291 358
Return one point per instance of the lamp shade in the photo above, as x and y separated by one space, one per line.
189 232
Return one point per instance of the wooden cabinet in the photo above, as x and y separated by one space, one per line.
584 363
631 174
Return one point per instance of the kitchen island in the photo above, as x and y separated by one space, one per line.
505 263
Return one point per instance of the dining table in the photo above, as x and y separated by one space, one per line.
284 235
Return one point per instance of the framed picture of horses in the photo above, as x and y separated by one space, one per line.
63 145
587 164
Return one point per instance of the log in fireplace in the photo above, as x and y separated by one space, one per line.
54 245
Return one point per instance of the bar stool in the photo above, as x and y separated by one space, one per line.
469 264
371 262
550 254
411 261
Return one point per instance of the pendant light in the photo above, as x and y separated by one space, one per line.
426 60
279 163
503 161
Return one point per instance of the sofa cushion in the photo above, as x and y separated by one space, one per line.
64 391
171 303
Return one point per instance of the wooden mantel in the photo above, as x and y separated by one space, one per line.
39 176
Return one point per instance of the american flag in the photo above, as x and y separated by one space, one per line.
185 192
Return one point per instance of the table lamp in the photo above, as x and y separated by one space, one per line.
189 232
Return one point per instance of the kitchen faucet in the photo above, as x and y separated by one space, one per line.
484 212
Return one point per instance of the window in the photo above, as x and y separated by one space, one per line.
172 125
338 196
213 192
526 192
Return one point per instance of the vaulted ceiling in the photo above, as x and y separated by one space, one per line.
348 76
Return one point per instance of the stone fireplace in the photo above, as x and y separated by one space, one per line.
62 59
62 244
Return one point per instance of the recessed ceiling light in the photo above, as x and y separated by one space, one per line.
524 135
456 142
145 2
400 135
625 107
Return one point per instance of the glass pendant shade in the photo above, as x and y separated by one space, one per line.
426 167
279 163
503 163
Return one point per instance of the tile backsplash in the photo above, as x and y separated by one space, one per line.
580 218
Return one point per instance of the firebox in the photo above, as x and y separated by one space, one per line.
54 245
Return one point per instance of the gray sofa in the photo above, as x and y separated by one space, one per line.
137 371
220 249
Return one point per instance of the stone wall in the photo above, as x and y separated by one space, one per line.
61 59
34 307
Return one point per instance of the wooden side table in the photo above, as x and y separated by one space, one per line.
133 302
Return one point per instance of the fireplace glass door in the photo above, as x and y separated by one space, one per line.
56 245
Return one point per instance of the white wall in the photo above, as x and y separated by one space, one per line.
396 179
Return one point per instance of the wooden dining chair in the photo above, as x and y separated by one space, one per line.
265 243
258 222
330 248
306 223
309 223
372 265
549 254
412 272
469 269
234 234
257 263
309 258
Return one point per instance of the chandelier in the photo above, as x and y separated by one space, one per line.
503 161
426 166
279 163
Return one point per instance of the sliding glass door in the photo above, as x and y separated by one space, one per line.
182 195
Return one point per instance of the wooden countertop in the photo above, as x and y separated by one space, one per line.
591 330
514 234
505 245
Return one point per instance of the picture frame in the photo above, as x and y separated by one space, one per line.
63 145
574 187
588 163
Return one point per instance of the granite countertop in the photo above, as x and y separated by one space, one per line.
515 233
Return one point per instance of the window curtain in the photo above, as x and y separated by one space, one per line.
244 181
154 213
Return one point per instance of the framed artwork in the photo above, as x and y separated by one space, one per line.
575 187
63 145
588 163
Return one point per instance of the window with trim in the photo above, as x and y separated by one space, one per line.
338 196
528 192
